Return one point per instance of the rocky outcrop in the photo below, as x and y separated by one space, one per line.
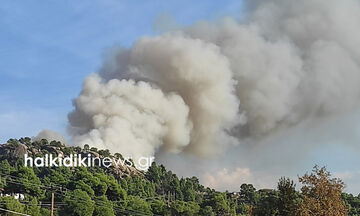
125 170
16 150
53 149
20 151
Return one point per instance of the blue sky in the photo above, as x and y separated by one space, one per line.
47 48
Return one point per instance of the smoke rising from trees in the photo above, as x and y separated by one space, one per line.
202 87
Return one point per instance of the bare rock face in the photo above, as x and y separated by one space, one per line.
134 171
20 151
94 154
126 171
53 149
14 151
34 151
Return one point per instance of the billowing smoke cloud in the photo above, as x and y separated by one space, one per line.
50 136
224 180
186 103
205 86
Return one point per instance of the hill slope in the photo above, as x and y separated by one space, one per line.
125 190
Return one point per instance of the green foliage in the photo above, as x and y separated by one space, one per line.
86 148
352 202
100 191
25 140
93 149
113 189
91 184
184 208
81 185
207 211
189 192
248 194
58 176
267 203
219 203
5 167
32 208
46 212
12 204
103 207
159 207
78 203
104 153
26 182
5 170
288 197
138 186
56 144
154 173
13 143
136 204
118 156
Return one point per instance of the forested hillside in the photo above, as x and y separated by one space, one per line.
124 190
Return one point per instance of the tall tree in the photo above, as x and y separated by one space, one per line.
248 194
12 204
138 205
103 207
33 208
267 203
26 182
321 194
78 203
288 197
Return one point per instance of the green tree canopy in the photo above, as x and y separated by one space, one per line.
78 203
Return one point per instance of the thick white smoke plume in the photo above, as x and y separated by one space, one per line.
202 87
187 101
50 136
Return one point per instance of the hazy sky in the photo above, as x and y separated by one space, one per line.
48 48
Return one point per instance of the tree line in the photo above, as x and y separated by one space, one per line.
85 191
